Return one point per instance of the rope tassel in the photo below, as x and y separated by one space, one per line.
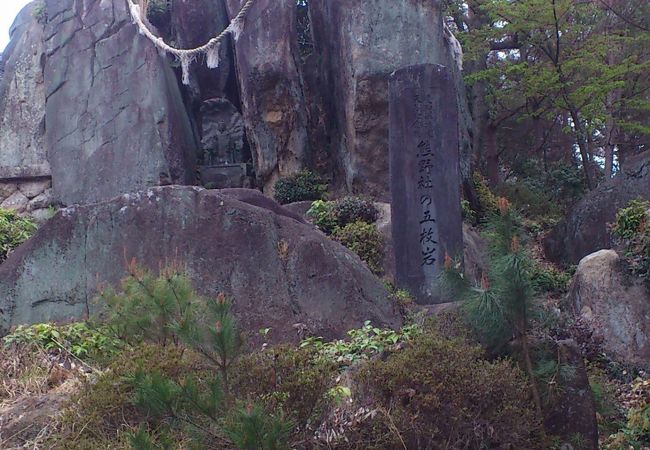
236 28
187 56
185 68
212 56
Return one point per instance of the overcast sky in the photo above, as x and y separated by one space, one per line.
8 11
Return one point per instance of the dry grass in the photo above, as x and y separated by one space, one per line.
24 370
34 385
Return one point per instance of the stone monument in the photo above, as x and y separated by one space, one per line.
424 177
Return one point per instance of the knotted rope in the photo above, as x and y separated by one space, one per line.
187 56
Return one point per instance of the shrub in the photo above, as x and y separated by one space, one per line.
14 230
632 227
327 216
365 240
469 215
150 307
351 209
363 343
78 339
302 186
158 12
632 220
102 413
288 379
322 214
486 198
194 405
439 393
499 307
549 280
39 12
607 408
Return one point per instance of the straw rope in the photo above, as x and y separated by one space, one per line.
187 56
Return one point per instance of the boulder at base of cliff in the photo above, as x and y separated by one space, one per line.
280 273
616 305
585 230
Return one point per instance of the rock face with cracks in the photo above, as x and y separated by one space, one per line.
23 153
280 273
273 103
115 119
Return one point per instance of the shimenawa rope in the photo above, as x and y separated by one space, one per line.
187 56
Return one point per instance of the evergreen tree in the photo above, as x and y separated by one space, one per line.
499 308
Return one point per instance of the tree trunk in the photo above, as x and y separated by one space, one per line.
531 374
581 138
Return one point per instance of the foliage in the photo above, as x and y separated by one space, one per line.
327 216
469 215
159 12
365 240
561 71
499 309
636 432
363 343
487 201
322 214
288 379
151 307
40 12
632 219
78 338
608 411
549 279
302 186
553 375
440 393
14 230
164 309
252 429
633 229
352 209
531 200
101 414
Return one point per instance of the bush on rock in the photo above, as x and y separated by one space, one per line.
14 230
302 186
365 240
632 228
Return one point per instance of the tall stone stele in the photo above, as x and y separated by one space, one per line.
424 177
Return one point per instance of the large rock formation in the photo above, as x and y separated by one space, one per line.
586 229
306 279
272 99
115 119
313 95
23 153
361 43
24 167
616 306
